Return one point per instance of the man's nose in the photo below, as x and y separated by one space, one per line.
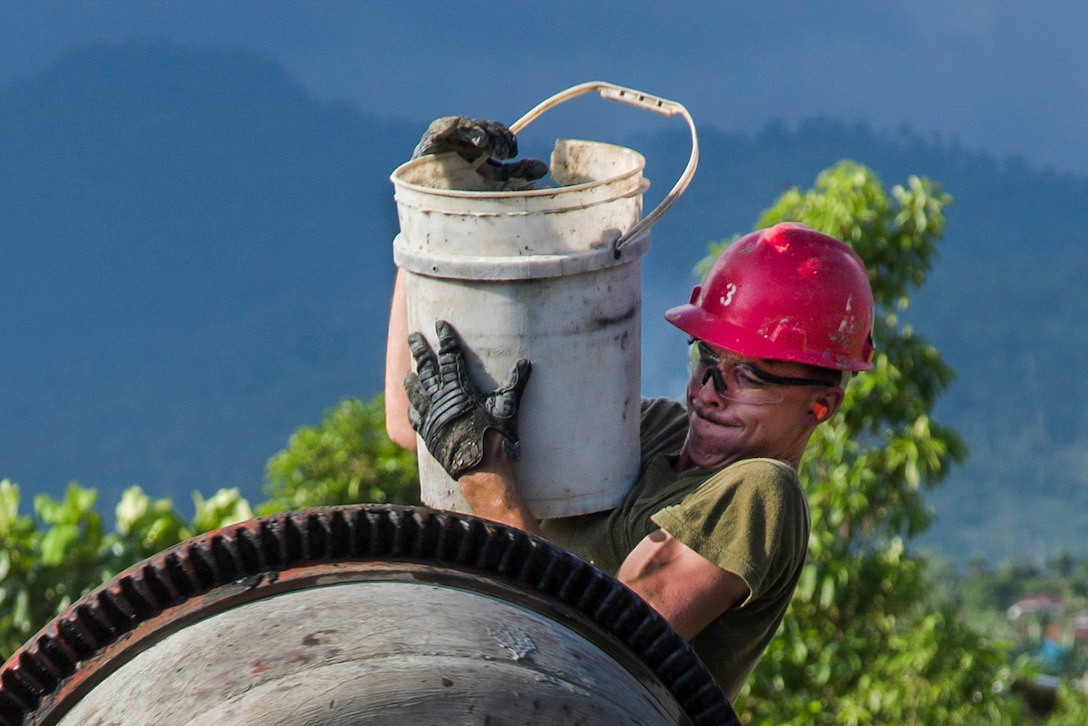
712 388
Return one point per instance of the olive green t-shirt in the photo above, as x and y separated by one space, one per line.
750 518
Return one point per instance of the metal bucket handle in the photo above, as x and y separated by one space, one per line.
637 99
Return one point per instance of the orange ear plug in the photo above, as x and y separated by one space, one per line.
820 411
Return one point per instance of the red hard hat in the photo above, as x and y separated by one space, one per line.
785 293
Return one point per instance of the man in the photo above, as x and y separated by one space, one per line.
714 532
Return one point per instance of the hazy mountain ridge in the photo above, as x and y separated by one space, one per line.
185 234
195 260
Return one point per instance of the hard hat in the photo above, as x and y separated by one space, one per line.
785 293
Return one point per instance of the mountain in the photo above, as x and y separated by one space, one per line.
195 260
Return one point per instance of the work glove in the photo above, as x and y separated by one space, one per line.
483 144
447 410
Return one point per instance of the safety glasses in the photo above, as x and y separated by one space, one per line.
742 381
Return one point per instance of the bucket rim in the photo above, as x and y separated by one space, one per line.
428 263
397 178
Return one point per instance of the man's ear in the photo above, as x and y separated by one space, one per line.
826 403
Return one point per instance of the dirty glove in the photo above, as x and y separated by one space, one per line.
447 410
482 144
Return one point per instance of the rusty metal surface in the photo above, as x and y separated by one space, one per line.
372 652
522 605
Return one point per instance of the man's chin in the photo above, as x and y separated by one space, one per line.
709 444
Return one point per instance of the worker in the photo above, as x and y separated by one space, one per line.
713 533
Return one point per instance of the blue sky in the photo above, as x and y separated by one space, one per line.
1003 76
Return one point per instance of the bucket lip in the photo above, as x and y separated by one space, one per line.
512 268
400 183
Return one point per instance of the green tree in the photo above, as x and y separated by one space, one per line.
861 643
346 459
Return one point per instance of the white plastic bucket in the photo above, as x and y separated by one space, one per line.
552 275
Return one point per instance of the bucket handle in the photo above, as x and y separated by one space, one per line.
637 99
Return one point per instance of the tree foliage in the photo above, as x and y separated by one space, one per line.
346 459
863 642
49 558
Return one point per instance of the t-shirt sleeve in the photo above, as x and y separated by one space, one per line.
751 518
664 424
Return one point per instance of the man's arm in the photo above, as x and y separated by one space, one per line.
491 489
687 589
398 363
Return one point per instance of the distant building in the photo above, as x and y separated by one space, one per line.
1041 604
1080 627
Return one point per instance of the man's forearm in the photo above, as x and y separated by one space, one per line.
398 362
491 489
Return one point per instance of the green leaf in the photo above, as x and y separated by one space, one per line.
9 507
57 543
131 509
227 506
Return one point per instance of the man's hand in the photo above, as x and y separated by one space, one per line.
447 410
473 139
483 144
